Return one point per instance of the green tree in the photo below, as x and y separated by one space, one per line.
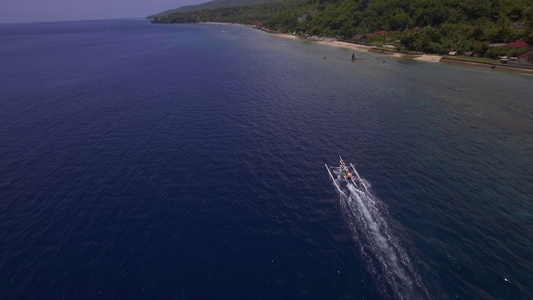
408 41
480 48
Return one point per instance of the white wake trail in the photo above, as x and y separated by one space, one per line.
385 258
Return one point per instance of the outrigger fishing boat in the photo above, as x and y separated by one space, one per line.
347 175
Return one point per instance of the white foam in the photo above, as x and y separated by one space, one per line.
381 249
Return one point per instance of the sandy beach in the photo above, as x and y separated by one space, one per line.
359 47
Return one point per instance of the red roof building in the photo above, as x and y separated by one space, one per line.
360 38
381 32
518 44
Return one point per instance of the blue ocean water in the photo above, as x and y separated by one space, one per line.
187 161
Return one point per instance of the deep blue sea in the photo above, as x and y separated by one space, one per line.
142 161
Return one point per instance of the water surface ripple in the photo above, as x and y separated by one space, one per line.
186 161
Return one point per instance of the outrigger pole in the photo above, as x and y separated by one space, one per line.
360 180
329 172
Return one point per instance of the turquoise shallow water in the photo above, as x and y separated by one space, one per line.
167 161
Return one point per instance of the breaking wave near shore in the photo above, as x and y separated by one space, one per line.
383 255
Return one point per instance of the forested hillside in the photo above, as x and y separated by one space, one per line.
210 5
435 26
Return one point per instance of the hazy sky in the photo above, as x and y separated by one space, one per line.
57 10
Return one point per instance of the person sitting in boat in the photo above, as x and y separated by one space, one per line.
346 173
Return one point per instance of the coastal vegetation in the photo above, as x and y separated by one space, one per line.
430 26
210 5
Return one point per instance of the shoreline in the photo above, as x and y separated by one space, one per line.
433 58
366 48
490 66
